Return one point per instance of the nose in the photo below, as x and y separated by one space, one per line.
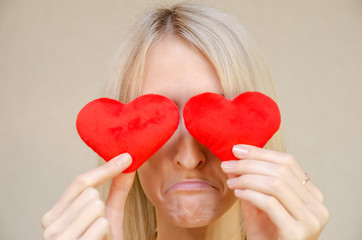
189 154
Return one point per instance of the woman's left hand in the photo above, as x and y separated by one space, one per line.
275 202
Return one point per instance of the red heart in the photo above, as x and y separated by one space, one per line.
251 118
140 127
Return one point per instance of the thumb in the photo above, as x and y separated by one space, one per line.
120 187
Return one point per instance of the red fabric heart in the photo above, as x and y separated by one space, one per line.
140 127
251 118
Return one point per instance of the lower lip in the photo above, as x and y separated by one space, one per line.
191 186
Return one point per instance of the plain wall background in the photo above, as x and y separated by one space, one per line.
53 55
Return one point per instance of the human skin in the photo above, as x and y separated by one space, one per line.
275 203
81 214
177 70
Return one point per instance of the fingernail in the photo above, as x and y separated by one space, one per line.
124 159
231 182
240 151
228 164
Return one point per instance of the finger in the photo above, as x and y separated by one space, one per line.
316 192
242 151
119 190
100 229
279 215
89 214
116 200
308 198
259 167
276 188
93 178
268 204
59 225
238 167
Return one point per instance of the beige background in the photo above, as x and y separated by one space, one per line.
53 55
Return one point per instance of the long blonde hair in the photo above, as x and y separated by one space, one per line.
228 47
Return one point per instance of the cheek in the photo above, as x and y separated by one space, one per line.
151 178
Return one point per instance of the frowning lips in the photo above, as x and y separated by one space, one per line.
191 184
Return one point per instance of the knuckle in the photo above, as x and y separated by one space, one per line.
247 164
243 180
314 229
252 152
82 180
320 195
276 184
292 232
270 202
45 220
99 206
316 192
325 215
315 224
312 225
50 233
288 159
65 236
282 170
104 223
299 233
91 192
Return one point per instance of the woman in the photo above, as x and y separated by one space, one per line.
184 191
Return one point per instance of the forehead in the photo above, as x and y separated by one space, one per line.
172 63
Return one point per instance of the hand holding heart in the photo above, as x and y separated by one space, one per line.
251 118
275 203
81 214
140 128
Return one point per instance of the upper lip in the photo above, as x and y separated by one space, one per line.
191 180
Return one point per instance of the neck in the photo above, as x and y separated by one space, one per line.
227 227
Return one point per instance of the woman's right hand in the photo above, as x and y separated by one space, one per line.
81 214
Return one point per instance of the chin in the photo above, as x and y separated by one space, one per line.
192 211
191 220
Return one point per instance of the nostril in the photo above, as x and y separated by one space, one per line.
200 164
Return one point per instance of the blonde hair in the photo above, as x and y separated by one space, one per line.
227 46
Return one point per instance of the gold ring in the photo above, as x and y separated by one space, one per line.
306 178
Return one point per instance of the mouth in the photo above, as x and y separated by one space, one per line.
192 185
